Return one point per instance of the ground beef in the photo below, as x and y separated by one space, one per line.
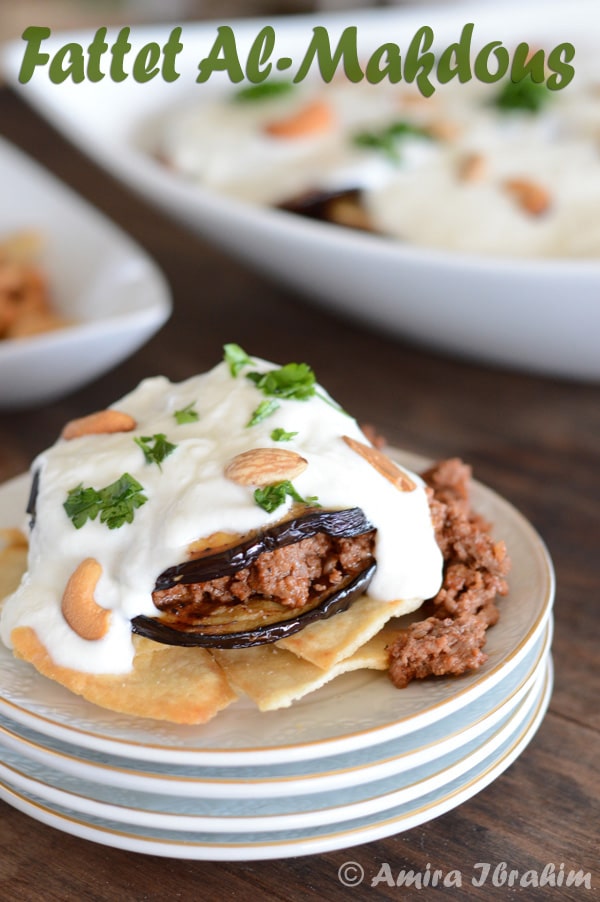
291 576
451 638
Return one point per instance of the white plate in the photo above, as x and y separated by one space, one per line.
252 816
312 840
99 278
397 756
352 712
523 313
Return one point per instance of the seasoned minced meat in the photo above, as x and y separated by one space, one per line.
451 638
291 575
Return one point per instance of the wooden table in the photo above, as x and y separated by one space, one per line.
536 441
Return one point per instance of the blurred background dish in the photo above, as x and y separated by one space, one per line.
498 306
107 296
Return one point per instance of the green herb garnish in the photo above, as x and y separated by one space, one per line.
236 357
156 453
187 415
266 90
526 95
273 496
116 503
388 139
280 435
294 381
264 410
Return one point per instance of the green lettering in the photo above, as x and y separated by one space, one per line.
558 61
328 62
229 62
119 50
391 69
72 55
34 35
96 48
172 47
456 59
257 68
529 64
419 62
145 64
482 69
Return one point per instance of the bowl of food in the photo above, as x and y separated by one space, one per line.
77 295
464 220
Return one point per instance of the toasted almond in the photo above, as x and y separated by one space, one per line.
79 607
311 119
472 168
104 421
444 130
384 466
531 196
265 466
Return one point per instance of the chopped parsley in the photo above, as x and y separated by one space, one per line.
388 139
116 503
156 453
294 381
266 90
187 414
280 435
236 357
264 410
526 95
273 496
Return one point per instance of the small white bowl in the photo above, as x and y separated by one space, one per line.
540 315
102 281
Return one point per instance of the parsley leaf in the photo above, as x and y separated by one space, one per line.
294 381
236 357
116 503
187 414
280 435
273 496
388 139
264 410
156 453
265 90
525 95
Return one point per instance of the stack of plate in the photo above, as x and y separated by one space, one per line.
353 762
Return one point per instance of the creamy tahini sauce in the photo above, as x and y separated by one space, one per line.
190 498
421 198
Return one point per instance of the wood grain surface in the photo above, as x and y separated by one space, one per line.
536 441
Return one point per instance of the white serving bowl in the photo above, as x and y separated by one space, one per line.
100 279
541 315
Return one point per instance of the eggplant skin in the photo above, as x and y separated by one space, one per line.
339 524
335 603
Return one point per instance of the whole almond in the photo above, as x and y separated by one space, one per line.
265 466
79 608
102 422
531 196
384 466
311 119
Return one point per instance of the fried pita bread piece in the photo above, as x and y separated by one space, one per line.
274 678
181 685
327 642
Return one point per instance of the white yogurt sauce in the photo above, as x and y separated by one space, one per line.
189 498
421 199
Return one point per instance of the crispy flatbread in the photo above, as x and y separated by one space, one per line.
274 678
327 642
13 560
183 685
